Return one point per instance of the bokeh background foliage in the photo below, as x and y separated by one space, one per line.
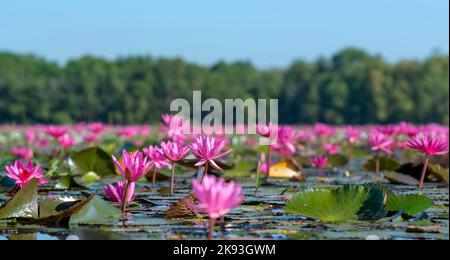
349 87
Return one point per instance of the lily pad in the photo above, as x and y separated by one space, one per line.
93 159
347 203
410 204
242 169
57 212
400 178
23 204
96 211
433 170
68 182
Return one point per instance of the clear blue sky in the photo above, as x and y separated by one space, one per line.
268 33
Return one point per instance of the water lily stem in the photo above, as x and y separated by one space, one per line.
212 223
377 164
424 171
205 171
125 196
172 178
269 159
350 154
154 177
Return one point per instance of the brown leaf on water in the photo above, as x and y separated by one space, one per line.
181 208
423 229
400 178
285 169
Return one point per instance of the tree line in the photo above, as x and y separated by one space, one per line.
351 87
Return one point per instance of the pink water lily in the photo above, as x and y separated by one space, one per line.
174 151
352 134
208 149
116 192
57 131
332 148
96 128
134 166
380 142
429 145
284 144
174 127
323 130
156 156
319 162
66 141
23 174
216 198
22 153
267 131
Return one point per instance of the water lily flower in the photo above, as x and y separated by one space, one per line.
23 174
127 132
285 141
323 130
332 148
116 193
380 142
96 128
266 130
208 149
408 129
216 198
319 162
156 156
57 131
174 151
22 153
352 134
66 141
134 166
91 138
174 127
30 137
429 145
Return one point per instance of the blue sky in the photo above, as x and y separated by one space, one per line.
268 33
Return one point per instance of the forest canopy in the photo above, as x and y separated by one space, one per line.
351 87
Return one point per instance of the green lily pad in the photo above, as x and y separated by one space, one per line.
96 211
23 204
410 204
90 177
68 182
242 169
347 203
53 207
386 164
57 212
93 159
